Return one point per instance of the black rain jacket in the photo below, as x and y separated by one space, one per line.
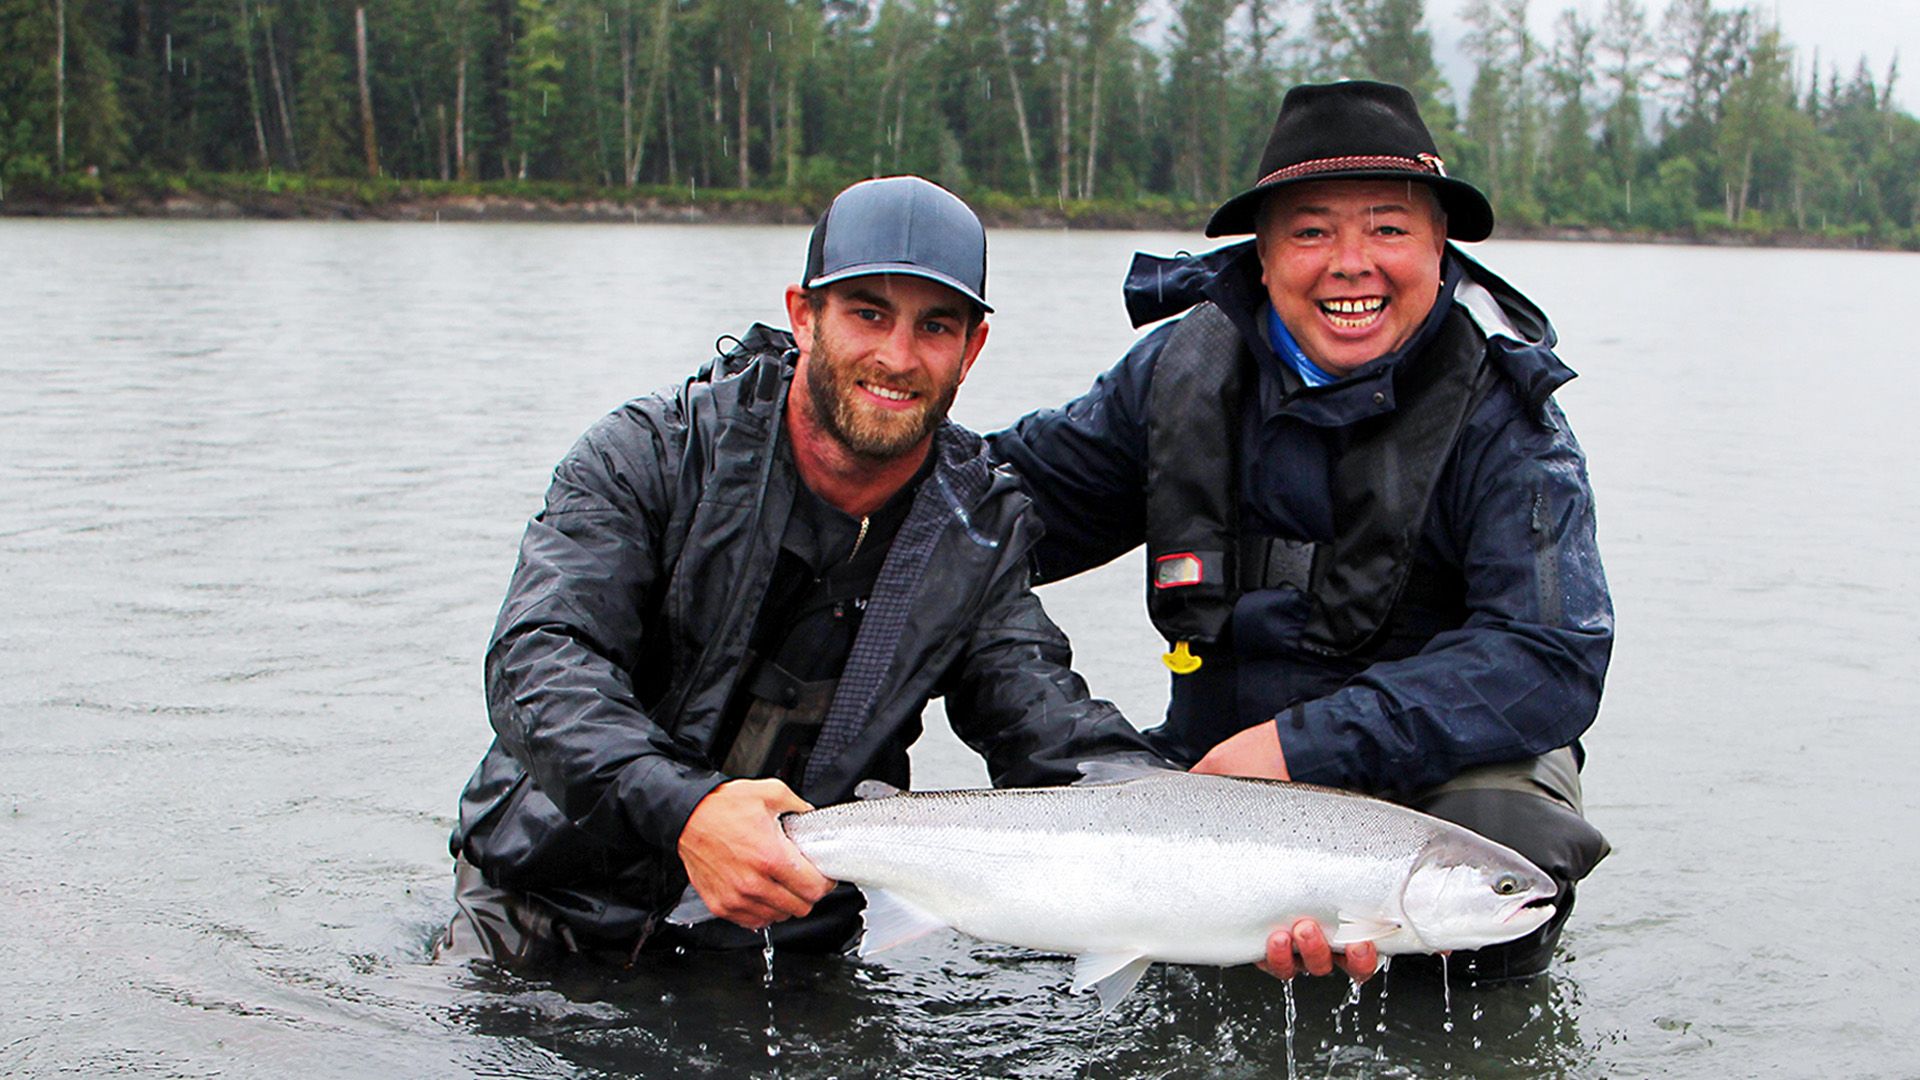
624 629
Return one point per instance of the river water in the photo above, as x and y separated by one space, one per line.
260 489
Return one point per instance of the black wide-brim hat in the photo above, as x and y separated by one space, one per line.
1354 131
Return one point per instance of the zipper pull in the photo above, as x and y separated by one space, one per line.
857 540
1181 660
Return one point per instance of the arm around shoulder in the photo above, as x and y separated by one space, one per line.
1084 464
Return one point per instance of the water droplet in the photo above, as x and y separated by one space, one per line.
1386 965
766 954
1293 1069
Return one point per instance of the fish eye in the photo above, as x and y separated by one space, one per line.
1507 885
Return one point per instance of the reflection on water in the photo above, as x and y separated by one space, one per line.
260 489
957 1005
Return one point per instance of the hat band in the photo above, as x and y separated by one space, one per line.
1423 163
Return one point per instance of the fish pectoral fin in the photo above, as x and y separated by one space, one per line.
1112 974
1354 929
893 920
691 909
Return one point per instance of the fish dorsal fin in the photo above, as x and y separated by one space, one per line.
691 909
874 789
1354 929
1117 772
891 919
1112 974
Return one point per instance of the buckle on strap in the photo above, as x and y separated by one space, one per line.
1268 562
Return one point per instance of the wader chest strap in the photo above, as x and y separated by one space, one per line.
1384 477
782 723
1268 562
1193 413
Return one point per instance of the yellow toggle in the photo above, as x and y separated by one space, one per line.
1181 660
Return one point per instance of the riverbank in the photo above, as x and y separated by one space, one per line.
279 196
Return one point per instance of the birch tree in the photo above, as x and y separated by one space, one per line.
1623 54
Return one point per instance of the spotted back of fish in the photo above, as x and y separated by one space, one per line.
1169 806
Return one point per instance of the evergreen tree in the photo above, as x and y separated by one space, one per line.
1701 48
27 47
96 124
1573 191
1504 107
1602 122
1623 48
533 80
1202 153
1756 109
324 95
1379 39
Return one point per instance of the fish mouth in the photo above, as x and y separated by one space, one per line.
1542 906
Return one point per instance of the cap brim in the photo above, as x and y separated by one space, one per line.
1469 215
908 269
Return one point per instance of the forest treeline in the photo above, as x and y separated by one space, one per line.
1692 117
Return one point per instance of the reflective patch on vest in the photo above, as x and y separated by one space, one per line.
1179 569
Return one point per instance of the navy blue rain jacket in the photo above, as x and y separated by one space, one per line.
1509 667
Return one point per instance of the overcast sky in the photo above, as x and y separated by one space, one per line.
1842 30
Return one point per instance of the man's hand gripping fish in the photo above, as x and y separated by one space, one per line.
1165 866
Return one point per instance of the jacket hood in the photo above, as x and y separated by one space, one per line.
1522 339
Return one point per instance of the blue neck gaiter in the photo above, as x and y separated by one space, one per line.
1289 350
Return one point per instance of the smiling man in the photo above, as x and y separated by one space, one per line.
738 599
1369 532
1351 268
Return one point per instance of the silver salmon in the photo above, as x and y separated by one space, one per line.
1168 866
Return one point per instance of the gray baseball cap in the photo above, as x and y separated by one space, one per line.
900 225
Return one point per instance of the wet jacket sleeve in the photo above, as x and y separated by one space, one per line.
560 692
1523 675
1016 701
1085 463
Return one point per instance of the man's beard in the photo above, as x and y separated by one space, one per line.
868 431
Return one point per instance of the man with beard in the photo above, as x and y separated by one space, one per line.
737 601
